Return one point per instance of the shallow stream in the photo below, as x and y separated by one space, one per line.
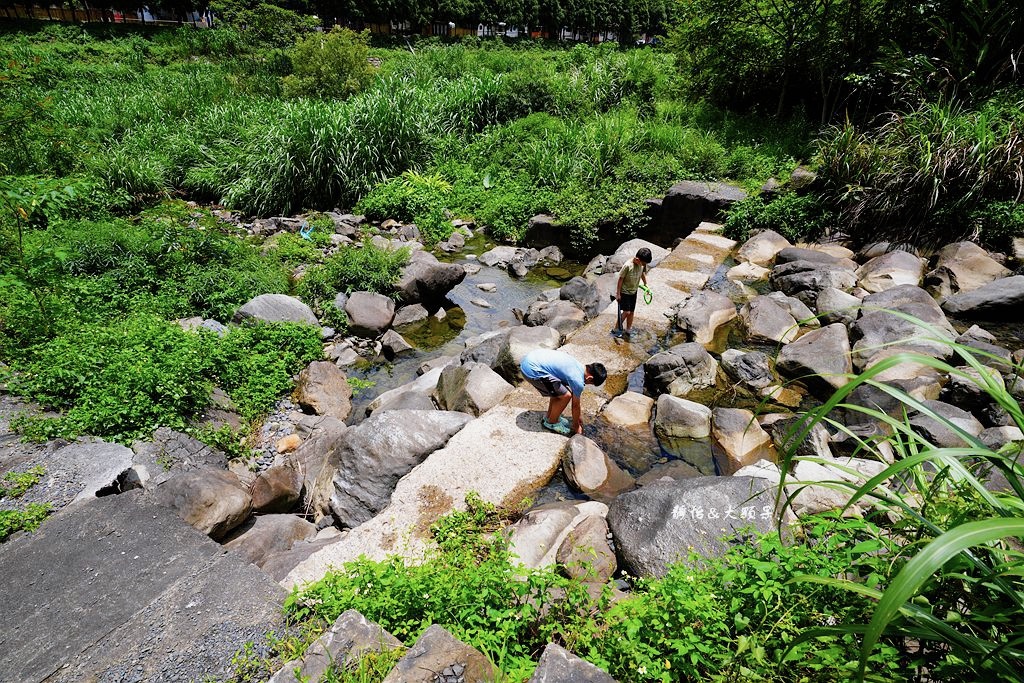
637 451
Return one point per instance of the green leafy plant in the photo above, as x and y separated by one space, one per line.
17 483
331 64
29 519
365 268
953 577
795 217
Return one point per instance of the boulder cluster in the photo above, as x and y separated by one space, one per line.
778 328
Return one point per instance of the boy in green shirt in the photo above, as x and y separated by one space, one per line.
632 274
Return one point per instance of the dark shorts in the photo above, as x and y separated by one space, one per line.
549 386
627 302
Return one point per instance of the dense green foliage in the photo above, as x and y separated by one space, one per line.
124 379
726 619
930 175
795 217
584 133
332 64
86 305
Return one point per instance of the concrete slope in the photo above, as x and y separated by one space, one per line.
114 589
504 455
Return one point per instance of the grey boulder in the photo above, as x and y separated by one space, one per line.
276 308
426 280
680 370
1001 299
369 313
701 315
379 451
343 645
558 665
473 388
269 534
663 523
590 471
820 359
210 500
323 389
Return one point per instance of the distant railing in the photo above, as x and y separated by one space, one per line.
94 15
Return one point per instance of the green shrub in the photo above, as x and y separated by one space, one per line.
795 217
729 619
366 268
255 363
917 176
29 519
120 381
15 484
999 223
332 64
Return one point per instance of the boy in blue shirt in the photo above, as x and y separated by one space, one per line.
561 378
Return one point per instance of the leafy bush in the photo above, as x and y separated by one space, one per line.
412 197
916 177
29 519
122 380
366 268
998 223
255 363
795 217
333 64
727 619
739 618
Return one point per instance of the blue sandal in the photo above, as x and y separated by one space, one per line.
560 427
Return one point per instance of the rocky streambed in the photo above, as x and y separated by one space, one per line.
680 445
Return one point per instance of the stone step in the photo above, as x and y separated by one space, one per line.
504 455
115 588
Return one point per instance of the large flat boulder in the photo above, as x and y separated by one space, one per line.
379 451
1001 299
903 317
119 587
661 524
690 202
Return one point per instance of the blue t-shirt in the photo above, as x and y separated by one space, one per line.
545 362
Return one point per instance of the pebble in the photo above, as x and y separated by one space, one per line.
481 303
487 287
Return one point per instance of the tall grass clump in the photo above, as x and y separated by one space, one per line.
951 593
916 177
